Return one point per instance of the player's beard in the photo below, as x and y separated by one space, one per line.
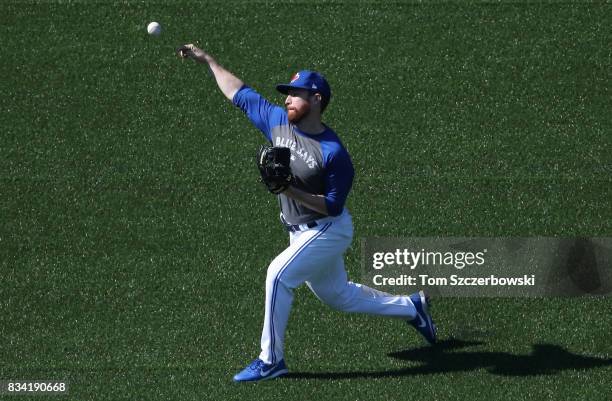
295 114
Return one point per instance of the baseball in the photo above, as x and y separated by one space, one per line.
154 28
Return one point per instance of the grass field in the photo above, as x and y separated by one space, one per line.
134 236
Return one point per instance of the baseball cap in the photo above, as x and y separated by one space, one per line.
310 80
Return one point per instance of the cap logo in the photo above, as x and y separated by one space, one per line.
314 86
295 77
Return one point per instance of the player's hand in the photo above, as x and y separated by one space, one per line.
191 51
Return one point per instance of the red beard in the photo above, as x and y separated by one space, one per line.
294 115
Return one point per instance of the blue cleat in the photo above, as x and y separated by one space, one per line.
422 322
258 370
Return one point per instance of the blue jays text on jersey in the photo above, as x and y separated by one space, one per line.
287 143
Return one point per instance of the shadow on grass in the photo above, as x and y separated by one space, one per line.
545 359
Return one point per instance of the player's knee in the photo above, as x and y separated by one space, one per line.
271 277
274 268
276 274
339 305
340 301
335 304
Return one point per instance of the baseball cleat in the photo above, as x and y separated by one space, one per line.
258 370
422 322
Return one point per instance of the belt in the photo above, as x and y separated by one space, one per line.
298 227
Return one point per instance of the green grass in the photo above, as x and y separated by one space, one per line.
134 235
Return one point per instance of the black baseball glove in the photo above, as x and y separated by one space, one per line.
273 163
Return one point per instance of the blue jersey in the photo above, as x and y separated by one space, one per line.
320 163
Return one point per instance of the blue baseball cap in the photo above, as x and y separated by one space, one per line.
309 80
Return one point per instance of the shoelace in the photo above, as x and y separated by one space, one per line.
256 364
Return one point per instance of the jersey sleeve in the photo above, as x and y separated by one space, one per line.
339 174
263 114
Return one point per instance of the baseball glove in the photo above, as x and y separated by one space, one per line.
273 163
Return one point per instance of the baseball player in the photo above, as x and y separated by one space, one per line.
313 212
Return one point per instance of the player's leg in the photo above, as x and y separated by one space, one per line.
331 285
287 271
329 282
333 288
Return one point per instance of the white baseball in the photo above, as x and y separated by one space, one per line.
154 28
